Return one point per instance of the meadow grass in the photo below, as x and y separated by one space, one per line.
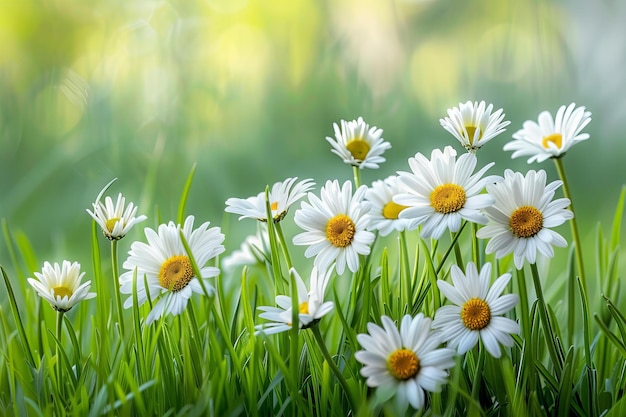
101 359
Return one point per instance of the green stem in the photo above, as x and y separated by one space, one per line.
333 366
475 251
477 375
405 274
58 350
18 319
357 176
577 242
116 286
525 321
283 244
545 321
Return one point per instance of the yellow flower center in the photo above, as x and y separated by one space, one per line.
448 198
62 292
403 364
526 221
359 148
175 273
274 205
303 308
110 224
340 230
555 138
471 130
392 210
475 314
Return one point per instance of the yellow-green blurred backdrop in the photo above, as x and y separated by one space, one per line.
248 90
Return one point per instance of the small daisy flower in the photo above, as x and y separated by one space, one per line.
408 361
477 313
60 285
442 191
335 227
473 124
383 212
358 144
522 215
550 138
311 305
253 250
165 268
114 220
281 197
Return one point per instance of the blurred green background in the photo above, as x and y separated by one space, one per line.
248 90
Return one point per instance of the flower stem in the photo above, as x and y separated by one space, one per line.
576 236
118 297
58 350
357 176
283 244
333 366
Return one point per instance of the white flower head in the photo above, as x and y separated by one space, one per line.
442 191
383 212
281 197
522 215
473 124
114 220
253 250
477 310
311 305
409 361
550 138
335 227
60 285
358 144
164 266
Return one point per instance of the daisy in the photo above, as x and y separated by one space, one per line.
281 197
550 138
473 124
60 285
383 212
358 144
477 313
442 191
522 215
253 250
335 227
407 361
114 220
311 305
163 267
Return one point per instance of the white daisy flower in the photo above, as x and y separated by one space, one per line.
522 215
477 313
550 138
383 212
114 220
281 197
335 227
473 124
60 285
165 268
408 361
311 305
253 250
358 144
442 191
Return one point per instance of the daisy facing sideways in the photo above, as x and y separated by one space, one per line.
550 138
473 124
311 305
163 269
522 216
358 144
281 197
335 227
383 212
407 362
114 220
60 285
477 310
441 192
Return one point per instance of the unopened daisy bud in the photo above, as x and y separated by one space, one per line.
473 124
114 220
60 285
358 144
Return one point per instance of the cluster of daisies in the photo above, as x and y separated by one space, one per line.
516 212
